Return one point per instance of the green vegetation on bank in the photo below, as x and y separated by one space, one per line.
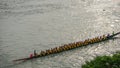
104 62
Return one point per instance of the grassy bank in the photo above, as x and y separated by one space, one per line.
104 62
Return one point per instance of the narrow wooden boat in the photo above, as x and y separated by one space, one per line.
28 58
69 46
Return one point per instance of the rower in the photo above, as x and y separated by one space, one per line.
31 55
113 33
35 54
108 35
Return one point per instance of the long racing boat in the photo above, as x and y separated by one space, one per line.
69 46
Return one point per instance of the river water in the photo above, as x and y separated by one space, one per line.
27 25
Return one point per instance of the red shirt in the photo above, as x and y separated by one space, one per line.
31 55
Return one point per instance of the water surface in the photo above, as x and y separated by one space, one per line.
27 25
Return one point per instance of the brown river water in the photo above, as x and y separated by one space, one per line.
28 25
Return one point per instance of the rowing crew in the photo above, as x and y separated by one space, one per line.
70 46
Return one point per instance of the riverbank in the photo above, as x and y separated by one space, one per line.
104 62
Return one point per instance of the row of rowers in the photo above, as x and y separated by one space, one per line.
72 45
